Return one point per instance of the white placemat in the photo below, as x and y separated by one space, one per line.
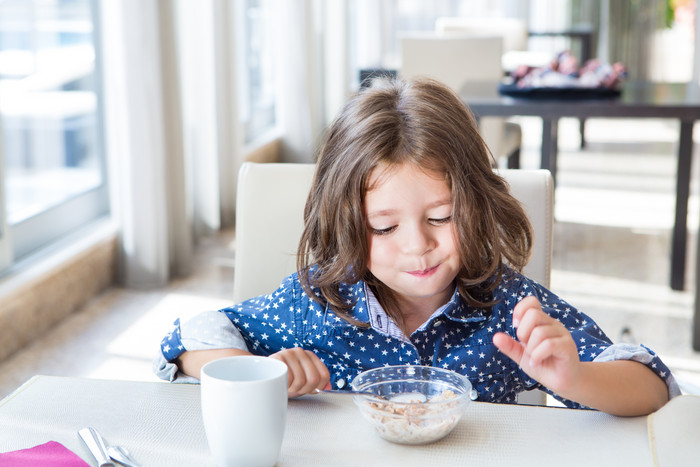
161 424
488 434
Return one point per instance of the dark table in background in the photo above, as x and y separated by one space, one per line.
583 33
638 100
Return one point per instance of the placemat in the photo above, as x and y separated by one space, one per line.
160 423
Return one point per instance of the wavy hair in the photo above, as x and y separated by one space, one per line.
395 122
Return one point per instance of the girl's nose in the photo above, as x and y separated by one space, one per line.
418 240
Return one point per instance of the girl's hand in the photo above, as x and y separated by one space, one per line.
306 372
544 350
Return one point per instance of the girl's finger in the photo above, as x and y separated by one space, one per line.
324 374
531 317
542 351
541 333
509 346
296 377
313 377
522 306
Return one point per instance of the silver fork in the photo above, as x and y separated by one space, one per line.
122 455
103 452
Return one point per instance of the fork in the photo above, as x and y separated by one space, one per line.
105 453
122 455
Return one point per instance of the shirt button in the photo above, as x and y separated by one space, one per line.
437 323
340 383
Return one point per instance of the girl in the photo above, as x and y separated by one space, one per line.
410 254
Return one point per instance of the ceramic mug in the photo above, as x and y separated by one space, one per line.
244 409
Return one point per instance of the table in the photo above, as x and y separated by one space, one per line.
584 33
639 100
160 423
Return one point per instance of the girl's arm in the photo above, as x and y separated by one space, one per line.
546 351
306 372
192 361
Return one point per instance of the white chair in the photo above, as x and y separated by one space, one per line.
513 31
269 220
456 60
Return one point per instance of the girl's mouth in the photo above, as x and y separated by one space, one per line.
424 272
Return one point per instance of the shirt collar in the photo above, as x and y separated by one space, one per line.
379 320
455 310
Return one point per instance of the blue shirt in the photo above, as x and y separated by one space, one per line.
457 336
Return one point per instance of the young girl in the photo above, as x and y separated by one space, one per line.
410 254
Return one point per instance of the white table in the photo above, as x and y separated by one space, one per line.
161 425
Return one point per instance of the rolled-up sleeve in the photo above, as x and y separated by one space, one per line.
207 331
261 325
641 354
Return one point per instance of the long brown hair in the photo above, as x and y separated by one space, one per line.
420 122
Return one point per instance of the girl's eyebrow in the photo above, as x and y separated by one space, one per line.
380 213
391 211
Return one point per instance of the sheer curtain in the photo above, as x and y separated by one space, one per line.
173 134
301 80
155 177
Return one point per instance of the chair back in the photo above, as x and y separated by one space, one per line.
515 38
513 30
456 60
451 59
269 221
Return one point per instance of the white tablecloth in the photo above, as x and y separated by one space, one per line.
161 425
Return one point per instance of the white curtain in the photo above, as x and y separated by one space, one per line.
301 79
173 136
160 163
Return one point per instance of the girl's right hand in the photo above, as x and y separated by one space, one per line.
306 372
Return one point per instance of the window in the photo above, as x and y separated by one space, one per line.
256 64
51 120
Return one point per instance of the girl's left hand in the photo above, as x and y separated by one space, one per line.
544 350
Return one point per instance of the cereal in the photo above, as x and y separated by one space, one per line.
414 423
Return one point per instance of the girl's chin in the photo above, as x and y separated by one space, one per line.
438 293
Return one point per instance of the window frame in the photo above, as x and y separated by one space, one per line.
20 240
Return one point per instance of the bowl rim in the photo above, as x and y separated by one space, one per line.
460 395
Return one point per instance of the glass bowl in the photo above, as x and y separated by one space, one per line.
413 404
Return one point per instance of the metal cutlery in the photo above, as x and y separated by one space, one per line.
104 453
122 455
96 445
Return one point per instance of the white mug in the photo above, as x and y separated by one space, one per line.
244 409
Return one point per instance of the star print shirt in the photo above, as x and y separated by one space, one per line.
457 336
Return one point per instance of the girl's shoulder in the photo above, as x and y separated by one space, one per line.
292 287
516 284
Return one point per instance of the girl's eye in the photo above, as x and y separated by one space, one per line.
441 221
385 231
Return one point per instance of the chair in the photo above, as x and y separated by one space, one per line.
269 217
456 60
515 37
513 31
269 220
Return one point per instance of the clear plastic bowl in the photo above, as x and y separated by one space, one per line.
414 404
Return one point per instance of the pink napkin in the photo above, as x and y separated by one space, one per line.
52 454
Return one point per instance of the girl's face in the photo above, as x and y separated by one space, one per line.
412 246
